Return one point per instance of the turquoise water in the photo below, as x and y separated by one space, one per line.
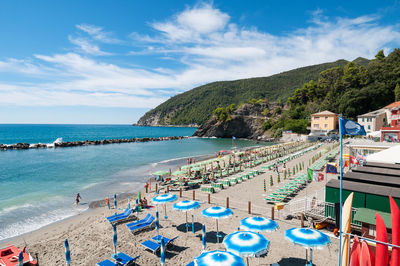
10 134
38 187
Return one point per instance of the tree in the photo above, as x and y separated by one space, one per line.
266 111
397 92
380 55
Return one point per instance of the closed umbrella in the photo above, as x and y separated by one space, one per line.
115 201
164 199
162 252
185 206
217 212
21 259
115 237
246 244
157 225
258 224
203 237
308 238
218 258
67 252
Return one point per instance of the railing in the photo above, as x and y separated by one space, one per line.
330 213
316 208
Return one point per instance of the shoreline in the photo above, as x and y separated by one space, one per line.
90 235
95 204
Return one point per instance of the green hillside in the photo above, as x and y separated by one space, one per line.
197 105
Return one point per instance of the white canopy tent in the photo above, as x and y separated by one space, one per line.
391 155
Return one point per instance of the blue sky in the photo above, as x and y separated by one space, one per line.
110 61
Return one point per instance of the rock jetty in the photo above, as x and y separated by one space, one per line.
25 146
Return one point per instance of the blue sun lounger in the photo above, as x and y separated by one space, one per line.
153 246
117 214
141 226
139 221
106 263
119 218
124 259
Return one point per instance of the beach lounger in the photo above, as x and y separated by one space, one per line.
106 263
121 217
140 221
124 259
207 189
190 263
141 226
118 214
153 246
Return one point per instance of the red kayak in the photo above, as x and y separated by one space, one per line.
366 256
395 259
382 253
9 257
355 252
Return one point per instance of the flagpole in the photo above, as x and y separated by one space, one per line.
341 189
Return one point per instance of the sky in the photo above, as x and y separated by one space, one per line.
108 62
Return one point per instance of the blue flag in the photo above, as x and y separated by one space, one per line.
348 127
330 168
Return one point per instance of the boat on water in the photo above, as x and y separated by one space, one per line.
9 257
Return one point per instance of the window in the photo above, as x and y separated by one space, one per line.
326 118
316 126
326 125
316 117
372 230
369 127
363 119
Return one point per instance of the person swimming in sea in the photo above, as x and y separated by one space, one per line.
78 196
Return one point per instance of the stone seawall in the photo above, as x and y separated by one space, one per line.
25 146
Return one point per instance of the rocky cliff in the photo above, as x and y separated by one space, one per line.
245 122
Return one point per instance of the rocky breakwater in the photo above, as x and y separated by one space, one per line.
25 146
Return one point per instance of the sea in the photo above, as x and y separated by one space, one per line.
38 186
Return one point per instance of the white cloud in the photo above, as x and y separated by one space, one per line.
203 46
98 33
86 47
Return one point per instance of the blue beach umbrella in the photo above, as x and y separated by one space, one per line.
164 199
308 238
115 201
162 252
258 224
115 237
203 237
218 258
217 212
21 259
67 252
246 244
185 206
129 202
137 208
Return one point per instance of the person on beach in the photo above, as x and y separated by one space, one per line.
78 196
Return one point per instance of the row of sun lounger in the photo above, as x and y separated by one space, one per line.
120 217
223 183
287 190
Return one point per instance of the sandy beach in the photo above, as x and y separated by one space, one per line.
90 235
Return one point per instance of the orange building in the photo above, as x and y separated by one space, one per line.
324 121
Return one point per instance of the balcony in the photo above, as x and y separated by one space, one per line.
395 117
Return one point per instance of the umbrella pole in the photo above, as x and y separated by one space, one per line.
247 260
186 225
311 257
165 209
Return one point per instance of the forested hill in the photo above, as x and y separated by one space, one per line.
195 106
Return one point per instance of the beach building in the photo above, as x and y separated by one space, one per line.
392 132
373 121
325 121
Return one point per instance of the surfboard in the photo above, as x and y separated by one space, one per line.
395 259
366 256
355 252
382 253
346 222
